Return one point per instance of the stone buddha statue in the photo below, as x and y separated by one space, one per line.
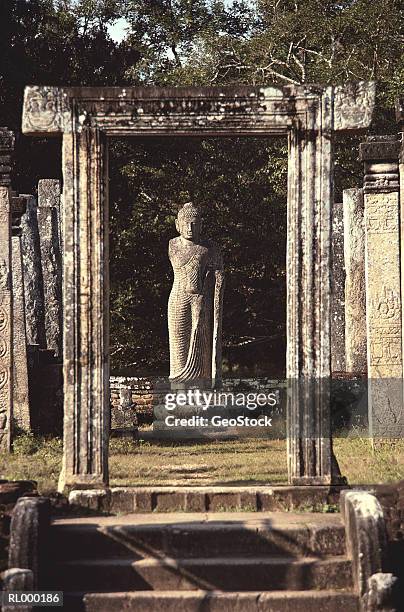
195 305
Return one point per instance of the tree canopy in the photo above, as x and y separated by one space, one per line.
239 183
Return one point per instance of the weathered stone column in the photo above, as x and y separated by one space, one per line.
337 290
86 313
6 322
355 291
49 234
383 286
20 362
33 280
6 296
309 297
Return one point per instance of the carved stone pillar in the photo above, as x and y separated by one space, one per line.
355 291
383 286
309 292
6 323
33 281
20 362
6 296
51 259
337 290
86 313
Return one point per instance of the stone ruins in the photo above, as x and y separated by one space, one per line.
195 305
344 311
308 116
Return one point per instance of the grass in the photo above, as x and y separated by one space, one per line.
230 462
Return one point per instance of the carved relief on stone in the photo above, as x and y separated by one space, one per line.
3 319
235 105
385 328
173 112
195 303
381 216
3 378
44 109
353 105
4 275
385 349
3 348
386 306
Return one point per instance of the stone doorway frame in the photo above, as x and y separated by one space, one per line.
309 115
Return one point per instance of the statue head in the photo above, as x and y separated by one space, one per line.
189 222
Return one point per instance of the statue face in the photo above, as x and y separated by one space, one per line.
190 229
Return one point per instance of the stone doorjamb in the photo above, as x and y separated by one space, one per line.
309 116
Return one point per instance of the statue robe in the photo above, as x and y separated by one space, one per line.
194 312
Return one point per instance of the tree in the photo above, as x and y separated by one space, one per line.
199 42
54 43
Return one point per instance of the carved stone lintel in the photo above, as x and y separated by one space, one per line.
192 110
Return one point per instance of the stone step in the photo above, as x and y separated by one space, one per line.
213 601
222 573
259 498
224 535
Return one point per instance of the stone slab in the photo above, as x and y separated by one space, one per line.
355 289
179 534
51 258
337 290
383 290
215 601
6 322
248 573
33 279
20 362
207 499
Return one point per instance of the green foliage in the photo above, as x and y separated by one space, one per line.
240 183
42 446
54 43
243 201
26 444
